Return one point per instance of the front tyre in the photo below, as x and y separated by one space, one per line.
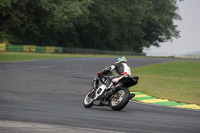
88 102
120 99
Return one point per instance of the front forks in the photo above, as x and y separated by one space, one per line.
92 93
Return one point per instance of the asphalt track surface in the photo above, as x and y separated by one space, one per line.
50 92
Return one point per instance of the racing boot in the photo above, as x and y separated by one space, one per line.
132 95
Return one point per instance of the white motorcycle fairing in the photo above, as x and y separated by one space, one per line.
100 91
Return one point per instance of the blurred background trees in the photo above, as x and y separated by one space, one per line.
122 25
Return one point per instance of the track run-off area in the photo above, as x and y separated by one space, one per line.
47 95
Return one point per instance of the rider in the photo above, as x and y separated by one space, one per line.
122 69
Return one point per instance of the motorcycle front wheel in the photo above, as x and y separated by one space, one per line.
120 99
88 102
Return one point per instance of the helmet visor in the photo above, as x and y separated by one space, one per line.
119 59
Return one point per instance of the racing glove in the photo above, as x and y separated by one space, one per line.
99 74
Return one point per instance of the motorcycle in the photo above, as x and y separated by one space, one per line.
97 96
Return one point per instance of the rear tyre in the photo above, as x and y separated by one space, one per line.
88 102
120 99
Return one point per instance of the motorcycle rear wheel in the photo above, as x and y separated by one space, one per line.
120 99
88 102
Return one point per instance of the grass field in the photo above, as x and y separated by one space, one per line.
177 81
16 56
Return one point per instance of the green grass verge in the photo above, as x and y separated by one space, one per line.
176 81
16 56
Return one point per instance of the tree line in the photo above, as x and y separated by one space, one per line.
122 25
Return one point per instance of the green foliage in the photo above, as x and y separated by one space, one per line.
125 25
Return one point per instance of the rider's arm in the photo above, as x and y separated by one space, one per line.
110 68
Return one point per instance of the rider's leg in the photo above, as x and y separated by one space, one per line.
117 86
114 89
